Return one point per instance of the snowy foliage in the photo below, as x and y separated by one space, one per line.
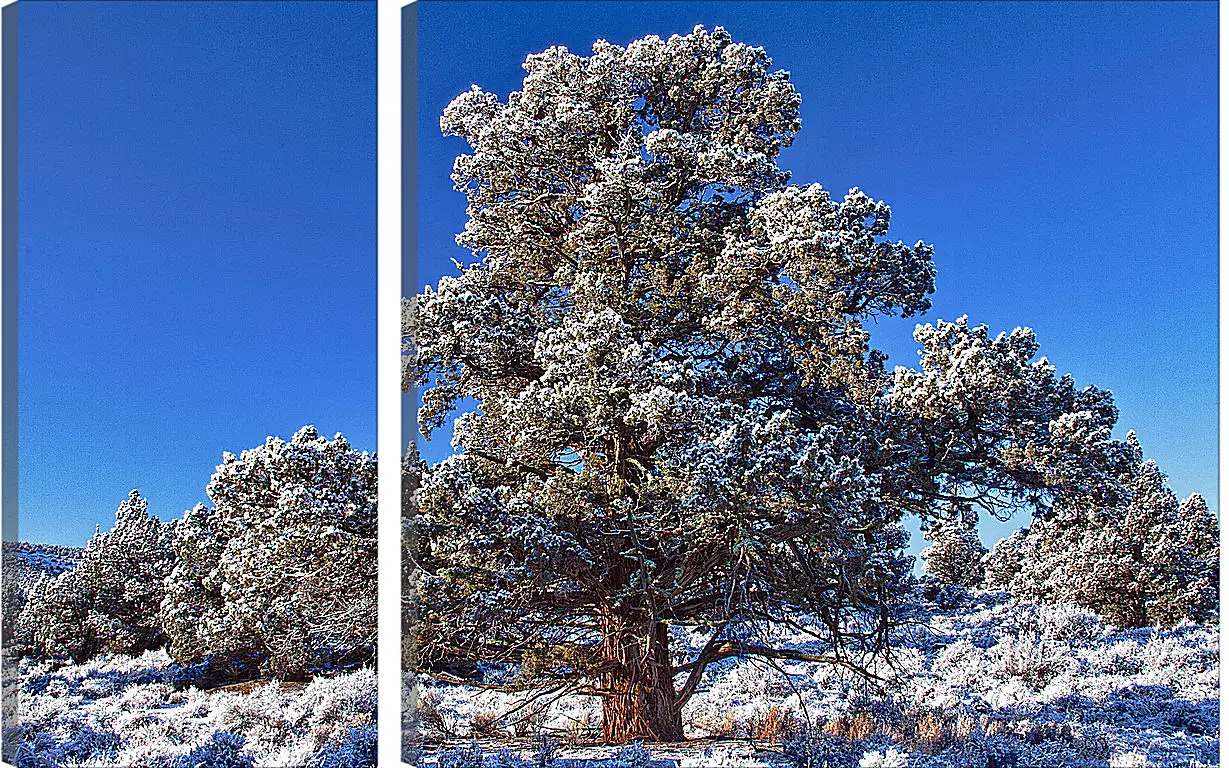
144 710
280 572
955 552
1147 560
24 565
110 601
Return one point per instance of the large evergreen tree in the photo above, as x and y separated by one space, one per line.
679 419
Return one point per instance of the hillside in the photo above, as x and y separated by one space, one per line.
30 558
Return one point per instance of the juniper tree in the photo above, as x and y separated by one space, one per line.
1004 560
671 414
1147 560
281 571
109 601
955 552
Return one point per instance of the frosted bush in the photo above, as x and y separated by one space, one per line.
329 699
962 664
888 759
632 756
814 748
355 749
1028 657
468 756
223 750
128 711
1069 624
259 715
1007 683
1129 760
720 758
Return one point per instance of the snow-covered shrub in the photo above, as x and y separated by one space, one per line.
467 756
125 710
995 684
223 750
110 601
955 552
70 740
725 757
632 756
815 748
327 705
506 758
1028 658
259 714
1129 760
889 758
355 749
546 749
282 568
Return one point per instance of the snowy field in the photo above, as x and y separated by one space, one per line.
143 711
988 684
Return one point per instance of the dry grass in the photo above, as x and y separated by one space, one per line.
527 723
773 726
431 721
932 732
583 731
486 725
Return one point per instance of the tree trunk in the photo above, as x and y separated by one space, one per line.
638 688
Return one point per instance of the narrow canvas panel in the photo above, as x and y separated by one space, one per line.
189 568
717 466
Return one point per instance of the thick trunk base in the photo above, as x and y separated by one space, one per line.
639 703
639 716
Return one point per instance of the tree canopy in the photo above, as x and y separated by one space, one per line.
671 415
281 571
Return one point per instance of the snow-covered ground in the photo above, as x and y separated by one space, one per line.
988 684
144 711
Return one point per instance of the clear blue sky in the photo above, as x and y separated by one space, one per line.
1061 157
197 236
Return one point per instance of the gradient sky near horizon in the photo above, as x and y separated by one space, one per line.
197 245
1061 157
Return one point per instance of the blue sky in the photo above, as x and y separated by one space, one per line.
197 237
1061 157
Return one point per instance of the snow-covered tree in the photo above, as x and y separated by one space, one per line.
411 477
955 552
24 565
1001 564
1199 537
281 570
1145 561
680 420
109 602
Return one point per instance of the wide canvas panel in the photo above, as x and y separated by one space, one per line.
189 569
711 465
